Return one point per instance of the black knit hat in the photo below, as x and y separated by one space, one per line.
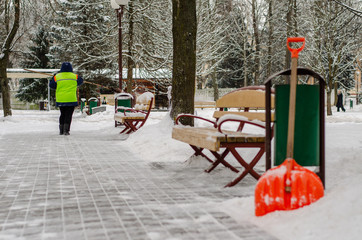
66 67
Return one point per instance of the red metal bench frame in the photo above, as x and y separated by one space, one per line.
133 124
231 147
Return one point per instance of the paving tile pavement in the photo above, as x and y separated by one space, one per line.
91 187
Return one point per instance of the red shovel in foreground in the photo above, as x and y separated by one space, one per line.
288 186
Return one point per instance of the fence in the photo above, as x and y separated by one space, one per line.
18 105
207 94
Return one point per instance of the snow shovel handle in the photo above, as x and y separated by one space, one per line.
295 51
292 104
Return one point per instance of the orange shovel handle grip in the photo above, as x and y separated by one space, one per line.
295 51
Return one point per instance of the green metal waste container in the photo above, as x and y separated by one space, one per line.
307 124
82 104
92 102
123 100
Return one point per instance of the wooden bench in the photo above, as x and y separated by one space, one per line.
221 142
204 104
121 101
134 118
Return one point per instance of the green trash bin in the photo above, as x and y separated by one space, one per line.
307 124
92 102
123 100
82 104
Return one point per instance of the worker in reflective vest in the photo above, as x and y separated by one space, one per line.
65 83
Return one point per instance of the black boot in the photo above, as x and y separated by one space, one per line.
61 129
66 129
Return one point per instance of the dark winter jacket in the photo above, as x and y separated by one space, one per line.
65 82
339 100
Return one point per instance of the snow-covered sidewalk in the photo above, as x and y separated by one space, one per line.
95 184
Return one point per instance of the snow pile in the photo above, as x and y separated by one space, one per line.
144 98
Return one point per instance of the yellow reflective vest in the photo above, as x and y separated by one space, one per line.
66 91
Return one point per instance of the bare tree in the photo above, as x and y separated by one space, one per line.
148 39
335 43
257 41
211 41
130 61
12 10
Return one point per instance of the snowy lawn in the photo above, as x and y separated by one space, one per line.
338 215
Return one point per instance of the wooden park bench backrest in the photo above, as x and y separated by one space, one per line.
243 99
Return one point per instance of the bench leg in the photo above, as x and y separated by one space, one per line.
132 126
221 159
198 152
248 167
125 129
128 128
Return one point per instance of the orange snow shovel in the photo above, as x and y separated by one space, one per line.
288 186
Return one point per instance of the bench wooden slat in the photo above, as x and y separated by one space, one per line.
202 137
250 115
211 138
121 118
242 99
239 137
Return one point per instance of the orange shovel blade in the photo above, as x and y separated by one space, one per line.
271 194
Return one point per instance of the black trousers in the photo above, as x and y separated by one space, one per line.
66 114
342 108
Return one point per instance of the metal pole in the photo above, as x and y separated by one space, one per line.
48 95
357 92
120 14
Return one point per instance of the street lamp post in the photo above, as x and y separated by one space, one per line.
357 83
118 5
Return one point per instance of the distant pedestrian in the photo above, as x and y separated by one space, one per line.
65 83
340 101
169 96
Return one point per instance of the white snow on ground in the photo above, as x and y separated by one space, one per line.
338 215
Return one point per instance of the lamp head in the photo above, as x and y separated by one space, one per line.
115 4
122 2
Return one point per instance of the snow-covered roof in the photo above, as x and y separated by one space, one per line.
138 73
30 73
142 73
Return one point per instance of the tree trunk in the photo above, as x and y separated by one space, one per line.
329 107
270 38
329 94
130 62
184 30
245 55
5 89
214 86
257 44
289 34
4 58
